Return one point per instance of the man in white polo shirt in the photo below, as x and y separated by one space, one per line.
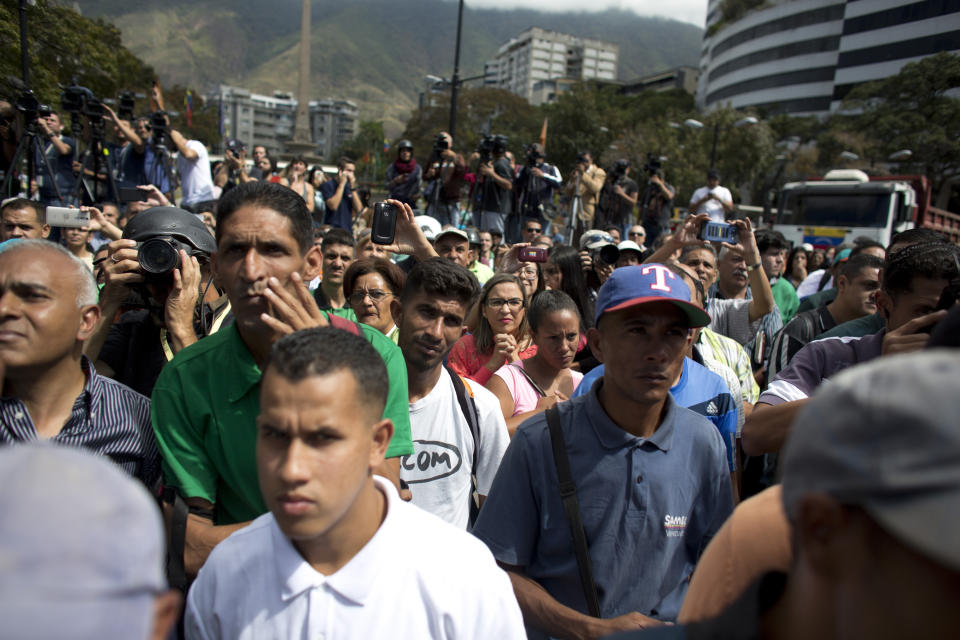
340 555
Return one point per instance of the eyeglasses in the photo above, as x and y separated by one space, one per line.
376 295
499 303
528 272
534 230
638 234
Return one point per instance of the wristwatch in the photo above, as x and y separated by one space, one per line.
754 267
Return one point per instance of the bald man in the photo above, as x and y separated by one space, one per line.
22 218
48 308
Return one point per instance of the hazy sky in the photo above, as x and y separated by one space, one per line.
693 11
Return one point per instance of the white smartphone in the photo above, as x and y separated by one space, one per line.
67 217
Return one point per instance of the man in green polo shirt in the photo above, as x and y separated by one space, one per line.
206 401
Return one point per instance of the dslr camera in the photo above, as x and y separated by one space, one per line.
235 147
160 233
653 164
74 100
533 155
485 149
440 144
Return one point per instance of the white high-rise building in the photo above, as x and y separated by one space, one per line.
802 57
538 55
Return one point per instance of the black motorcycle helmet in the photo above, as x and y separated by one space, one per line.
161 232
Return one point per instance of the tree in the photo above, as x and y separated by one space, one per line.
66 48
366 149
912 110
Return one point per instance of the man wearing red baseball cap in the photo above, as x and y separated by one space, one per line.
650 478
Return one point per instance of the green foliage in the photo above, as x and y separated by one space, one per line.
912 110
65 47
366 149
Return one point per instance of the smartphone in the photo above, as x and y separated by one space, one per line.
718 232
384 226
66 217
533 254
131 194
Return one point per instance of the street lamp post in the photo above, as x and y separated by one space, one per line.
455 81
696 124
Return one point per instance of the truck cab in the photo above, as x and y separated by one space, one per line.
844 205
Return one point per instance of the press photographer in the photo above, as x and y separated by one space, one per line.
617 199
534 186
656 205
58 150
404 175
583 189
444 172
160 270
494 197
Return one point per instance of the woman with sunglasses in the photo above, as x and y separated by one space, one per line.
532 386
369 285
502 334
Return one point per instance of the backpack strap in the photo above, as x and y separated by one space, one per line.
468 406
571 506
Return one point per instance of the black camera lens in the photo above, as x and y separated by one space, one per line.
609 253
158 256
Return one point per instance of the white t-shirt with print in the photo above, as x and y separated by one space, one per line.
439 470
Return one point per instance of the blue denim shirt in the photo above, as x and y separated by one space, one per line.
649 506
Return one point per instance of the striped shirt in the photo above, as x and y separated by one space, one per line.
107 418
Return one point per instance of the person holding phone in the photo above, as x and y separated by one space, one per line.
341 197
713 199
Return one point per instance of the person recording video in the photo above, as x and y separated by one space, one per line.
444 174
534 186
617 198
58 150
496 184
656 205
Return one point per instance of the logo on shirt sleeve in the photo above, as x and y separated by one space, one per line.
674 526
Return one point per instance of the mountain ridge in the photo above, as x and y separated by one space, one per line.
363 50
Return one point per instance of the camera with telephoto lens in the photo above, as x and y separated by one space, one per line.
619 169
653 164
126 102
158 124
485 149
74 100
440 144
161 232
30 106
533 155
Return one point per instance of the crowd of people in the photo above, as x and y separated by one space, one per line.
543 410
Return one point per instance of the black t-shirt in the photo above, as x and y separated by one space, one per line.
613 208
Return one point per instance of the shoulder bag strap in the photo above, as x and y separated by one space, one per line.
536 387
568 493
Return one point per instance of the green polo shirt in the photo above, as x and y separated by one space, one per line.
204 410
786 298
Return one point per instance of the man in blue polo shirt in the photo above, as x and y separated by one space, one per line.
651 476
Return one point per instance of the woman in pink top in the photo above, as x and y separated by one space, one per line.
502 335
526 388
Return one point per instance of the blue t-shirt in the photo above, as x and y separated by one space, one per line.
700 390
342 216
649 507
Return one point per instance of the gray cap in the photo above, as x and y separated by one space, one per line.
595 238
453 231
886 436
81 546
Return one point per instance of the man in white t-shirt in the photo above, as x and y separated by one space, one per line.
714 200
340 554
457 427
193 165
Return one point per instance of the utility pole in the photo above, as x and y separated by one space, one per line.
455 82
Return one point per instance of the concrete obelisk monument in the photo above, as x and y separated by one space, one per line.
302 141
